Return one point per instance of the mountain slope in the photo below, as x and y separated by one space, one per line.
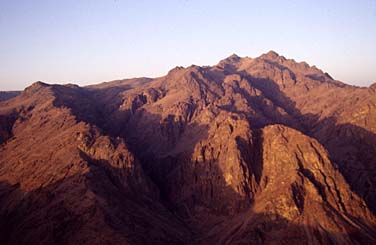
251 150
78 185
341 117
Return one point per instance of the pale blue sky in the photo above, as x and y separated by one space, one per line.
85 42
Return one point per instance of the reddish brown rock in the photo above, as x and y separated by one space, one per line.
252 150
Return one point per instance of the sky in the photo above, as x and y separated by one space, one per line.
92 41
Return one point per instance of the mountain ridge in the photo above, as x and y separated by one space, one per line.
251 150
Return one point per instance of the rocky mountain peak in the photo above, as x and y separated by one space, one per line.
233 58
270 55
373 86
36 86
260 151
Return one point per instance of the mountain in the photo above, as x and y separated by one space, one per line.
251 150
6 95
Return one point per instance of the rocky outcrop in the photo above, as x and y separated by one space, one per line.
252 150
301 198
77 184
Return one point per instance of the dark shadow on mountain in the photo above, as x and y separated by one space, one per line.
252 153
7 95
89 105
6 125
351 148
92 208
62 212
267 228
195 182
271 91
131 210
325 77
155 142
8 192
48 216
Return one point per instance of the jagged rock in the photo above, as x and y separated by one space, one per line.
252 150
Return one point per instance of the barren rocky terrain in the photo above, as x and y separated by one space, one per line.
261 150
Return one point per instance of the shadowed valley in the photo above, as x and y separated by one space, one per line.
248 151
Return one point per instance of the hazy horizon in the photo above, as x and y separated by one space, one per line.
89 42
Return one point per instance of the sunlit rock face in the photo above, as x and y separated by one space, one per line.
249 151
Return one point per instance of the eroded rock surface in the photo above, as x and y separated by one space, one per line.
251 150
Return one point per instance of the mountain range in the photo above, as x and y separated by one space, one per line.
261 150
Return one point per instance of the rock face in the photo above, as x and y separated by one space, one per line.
71 183
252 150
